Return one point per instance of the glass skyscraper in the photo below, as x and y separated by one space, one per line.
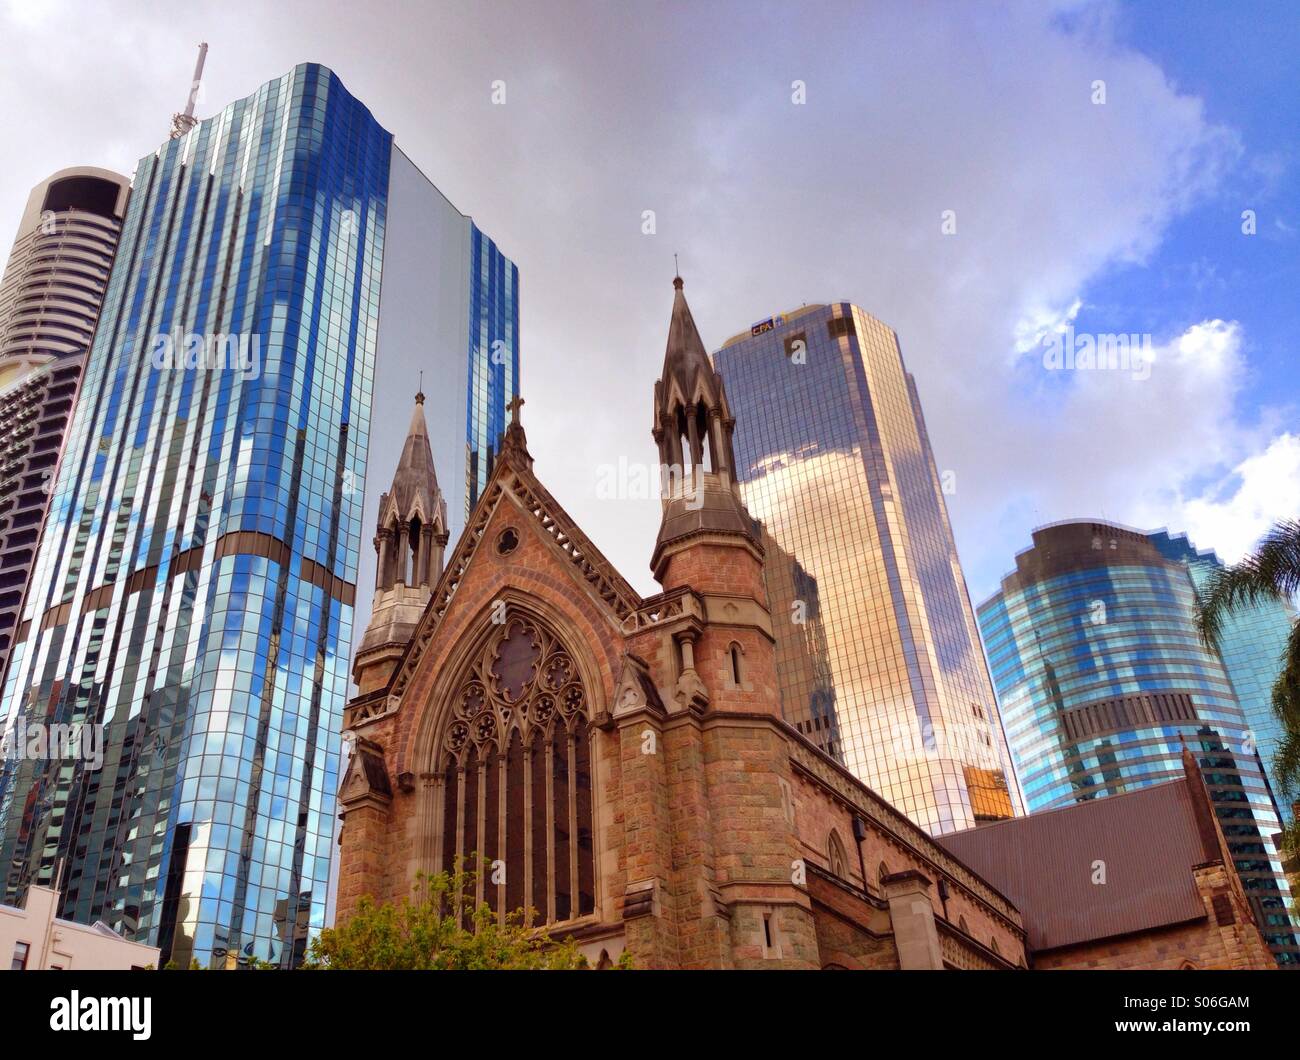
878 654
282 274
1102 679
1252 644
54 283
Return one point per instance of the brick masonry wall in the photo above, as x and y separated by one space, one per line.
709 567
818 814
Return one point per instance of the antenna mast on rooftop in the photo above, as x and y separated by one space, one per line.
184 122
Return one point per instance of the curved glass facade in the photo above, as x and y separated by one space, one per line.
1102 678
877 650
1252 644
195 589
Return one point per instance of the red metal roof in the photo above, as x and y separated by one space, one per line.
1145 841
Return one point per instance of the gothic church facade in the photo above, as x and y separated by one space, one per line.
624 760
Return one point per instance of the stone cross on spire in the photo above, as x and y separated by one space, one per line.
515 440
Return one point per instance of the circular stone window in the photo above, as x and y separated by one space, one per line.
507 541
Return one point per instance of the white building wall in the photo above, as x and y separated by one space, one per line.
55 943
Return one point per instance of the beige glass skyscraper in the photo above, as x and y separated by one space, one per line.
878 651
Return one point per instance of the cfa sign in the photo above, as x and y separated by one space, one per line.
766 325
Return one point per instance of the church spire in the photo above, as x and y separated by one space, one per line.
410 539
412 530
690 400
693 429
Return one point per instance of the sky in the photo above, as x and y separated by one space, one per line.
980 177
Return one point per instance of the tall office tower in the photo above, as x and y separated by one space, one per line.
50 296
1103 679
877 650
284 273
1251 646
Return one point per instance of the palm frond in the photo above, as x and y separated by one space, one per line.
1271 572
1286 765
1286 706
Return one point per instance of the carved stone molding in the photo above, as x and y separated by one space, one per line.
366 781
636 689
641 899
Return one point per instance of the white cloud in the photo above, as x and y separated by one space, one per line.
986 111
1040 323
30 12
1261 490
1165 451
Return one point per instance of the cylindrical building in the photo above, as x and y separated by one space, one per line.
50 296
58 269
1102 679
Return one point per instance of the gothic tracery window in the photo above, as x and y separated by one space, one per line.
515 767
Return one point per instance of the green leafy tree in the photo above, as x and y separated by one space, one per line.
433 929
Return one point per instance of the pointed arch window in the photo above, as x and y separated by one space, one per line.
735 659
704 430
515 770
836 856
412 575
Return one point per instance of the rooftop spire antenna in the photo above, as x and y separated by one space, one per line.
677 269
185 121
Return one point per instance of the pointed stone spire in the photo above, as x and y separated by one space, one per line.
688 372
410 539
693 429
415 482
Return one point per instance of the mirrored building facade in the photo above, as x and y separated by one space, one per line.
1103 679
1251 647
878 653
283 273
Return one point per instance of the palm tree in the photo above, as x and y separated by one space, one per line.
1271 572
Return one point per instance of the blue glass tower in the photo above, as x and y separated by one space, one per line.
1102 679
283 271
493 357
1251 647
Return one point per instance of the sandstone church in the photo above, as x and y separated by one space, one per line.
625 762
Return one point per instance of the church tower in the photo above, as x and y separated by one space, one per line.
726 885
708 542
410 540
693 428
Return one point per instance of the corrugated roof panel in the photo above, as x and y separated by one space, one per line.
1144 845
